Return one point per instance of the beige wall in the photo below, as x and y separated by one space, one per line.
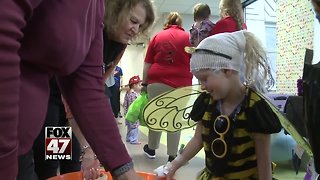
295 34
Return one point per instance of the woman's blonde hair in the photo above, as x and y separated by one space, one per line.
233 8
173 18
257 66
201 11
118 10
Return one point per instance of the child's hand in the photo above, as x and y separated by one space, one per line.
167 171
172 170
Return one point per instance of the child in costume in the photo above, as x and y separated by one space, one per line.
131 95
234 121
202 27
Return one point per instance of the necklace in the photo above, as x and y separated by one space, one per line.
234 113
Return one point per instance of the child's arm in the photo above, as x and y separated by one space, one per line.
192 148
125 104
262 145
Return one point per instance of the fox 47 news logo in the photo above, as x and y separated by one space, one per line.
58 142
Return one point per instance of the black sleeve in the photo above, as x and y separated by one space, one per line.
199 107
262 118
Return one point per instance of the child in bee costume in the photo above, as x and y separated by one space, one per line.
234 120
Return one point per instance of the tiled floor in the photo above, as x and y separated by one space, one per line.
188 172
142 163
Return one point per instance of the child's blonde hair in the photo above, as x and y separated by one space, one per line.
257 66
233 8
173 18
239 51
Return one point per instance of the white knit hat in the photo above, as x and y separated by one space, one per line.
221 51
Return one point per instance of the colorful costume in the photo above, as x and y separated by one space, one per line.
254 116
132 128
201 31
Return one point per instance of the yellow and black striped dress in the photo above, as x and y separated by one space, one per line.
255 116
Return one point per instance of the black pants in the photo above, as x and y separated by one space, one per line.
48 168
115 99
26 167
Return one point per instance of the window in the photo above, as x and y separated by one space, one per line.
271 47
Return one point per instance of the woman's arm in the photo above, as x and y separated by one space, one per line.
113 66
125 104
192 148
93 113
146 68
88 158
262 145
14 16
149 60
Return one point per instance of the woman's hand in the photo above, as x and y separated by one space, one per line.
90 166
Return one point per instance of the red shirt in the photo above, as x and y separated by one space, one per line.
227 24
170 64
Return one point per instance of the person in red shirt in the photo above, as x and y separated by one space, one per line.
231 14
166 67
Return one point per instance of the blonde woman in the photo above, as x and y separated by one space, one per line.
232 19
120 28
124 20
234 122
166 67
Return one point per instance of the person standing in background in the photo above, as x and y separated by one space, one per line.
232 19
165 57
202 27
311 98
111 93
131 95
115 100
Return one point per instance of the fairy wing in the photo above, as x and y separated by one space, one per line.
170 111
287 125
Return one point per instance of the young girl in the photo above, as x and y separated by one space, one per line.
131 95
234 122
232 18
202 27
